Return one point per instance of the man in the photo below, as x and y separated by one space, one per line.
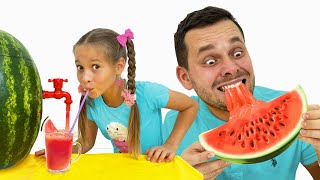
211 53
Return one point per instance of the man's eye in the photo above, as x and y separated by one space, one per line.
79 67
237 54
95 66
210 62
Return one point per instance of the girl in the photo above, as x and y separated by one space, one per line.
128 113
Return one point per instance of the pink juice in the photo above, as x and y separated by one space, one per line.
68 120
58 150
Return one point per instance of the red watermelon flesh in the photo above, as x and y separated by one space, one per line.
49 127
256 130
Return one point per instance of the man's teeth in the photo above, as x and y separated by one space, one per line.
224 88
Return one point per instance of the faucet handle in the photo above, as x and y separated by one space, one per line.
57 79
57 82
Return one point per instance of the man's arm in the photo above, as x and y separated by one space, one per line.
314 170
310 133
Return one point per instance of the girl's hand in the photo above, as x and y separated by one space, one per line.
161 153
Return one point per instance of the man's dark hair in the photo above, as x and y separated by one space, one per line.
203 17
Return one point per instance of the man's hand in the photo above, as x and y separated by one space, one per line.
311 126
310 133
198 157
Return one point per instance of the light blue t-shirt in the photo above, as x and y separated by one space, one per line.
282 167
113 122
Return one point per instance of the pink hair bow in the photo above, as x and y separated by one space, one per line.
122 38
128 97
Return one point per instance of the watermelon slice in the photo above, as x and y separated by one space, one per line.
49 127
256 130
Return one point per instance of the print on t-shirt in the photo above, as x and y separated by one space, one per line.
119 135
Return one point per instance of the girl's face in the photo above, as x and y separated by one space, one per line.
95 71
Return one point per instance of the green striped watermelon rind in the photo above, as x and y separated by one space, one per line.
260 157
20 100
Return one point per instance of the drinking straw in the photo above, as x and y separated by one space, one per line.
75 120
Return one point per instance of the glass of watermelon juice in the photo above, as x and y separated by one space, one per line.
59 150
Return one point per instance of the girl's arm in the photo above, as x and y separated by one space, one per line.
87 139
188 109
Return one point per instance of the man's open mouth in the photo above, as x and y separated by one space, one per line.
235 84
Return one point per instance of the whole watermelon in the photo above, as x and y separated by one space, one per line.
20 101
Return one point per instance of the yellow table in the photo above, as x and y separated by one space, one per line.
103 166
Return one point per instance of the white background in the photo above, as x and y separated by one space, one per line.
282 37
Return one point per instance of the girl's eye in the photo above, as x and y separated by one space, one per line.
95 66
210 62
79 67
237 54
